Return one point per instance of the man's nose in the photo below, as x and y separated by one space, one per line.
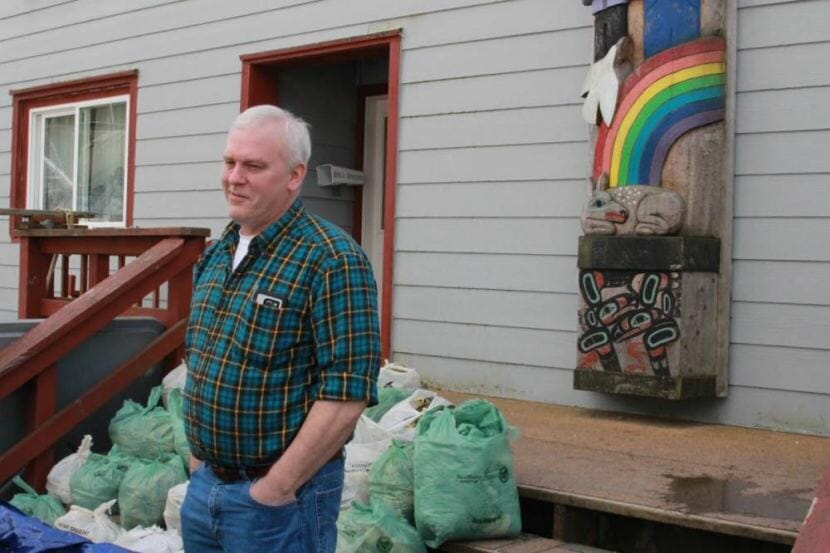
236 174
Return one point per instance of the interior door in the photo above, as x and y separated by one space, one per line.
374 168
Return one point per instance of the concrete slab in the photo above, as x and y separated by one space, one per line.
751 483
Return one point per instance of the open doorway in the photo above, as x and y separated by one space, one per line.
348 91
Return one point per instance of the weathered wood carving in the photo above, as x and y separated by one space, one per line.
650 262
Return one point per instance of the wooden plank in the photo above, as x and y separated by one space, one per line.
185 94
780 196
197 176
493 199
210 119
102 232
530 273
781 239
795 66
509 236
801 109
799 326
38 19
528 162
542 348
651 469
524 543
532 310
488 92
780 368
781 282
776 153
183 149
495 20
517 126
761 28
84 26
521 53
260 29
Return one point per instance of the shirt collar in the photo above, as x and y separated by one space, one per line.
230 236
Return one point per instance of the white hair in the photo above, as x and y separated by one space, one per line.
294 130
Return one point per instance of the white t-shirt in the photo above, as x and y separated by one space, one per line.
241 249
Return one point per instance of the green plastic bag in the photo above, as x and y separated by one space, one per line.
143 431
376 528
143 490
387 398
465 487
391 479
45 507
97 481
175 408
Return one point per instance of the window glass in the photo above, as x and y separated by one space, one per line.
81 157
58 167
102 133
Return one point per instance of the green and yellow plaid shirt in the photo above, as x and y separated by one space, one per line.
294 323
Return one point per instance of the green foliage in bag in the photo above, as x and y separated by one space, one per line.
175 408
97 481
143 431
45 507
387 398
143 490
375 528
391 479
465 487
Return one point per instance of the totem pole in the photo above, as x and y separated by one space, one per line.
654 272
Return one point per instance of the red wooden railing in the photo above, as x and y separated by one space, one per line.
90 297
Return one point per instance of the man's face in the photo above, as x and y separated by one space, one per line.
259 185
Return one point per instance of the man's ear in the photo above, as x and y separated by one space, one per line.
297 176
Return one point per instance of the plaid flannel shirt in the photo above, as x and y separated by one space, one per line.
294 323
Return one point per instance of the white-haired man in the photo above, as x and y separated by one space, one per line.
282 354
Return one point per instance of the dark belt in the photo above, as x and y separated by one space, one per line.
235 474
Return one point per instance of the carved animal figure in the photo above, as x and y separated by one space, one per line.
634 209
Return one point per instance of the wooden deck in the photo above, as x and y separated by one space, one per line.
750 483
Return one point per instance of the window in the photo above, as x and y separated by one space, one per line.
77 158
74 145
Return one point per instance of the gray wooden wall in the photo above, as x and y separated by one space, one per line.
492 161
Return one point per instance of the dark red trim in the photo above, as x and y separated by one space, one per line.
391 187
259 86
79 90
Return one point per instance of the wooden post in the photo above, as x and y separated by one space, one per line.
179 292
41 393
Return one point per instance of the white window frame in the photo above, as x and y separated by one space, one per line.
37 126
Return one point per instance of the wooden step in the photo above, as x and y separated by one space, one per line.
749 483
526 543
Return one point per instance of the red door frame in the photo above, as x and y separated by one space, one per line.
259 86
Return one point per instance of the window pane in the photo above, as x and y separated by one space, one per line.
102 135
58 151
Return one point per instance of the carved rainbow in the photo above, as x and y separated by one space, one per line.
668 95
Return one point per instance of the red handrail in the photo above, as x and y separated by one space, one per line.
164 256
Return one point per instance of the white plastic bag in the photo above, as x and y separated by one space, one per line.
174 379
402 419
398 376
57 482
173 507
95 526
370 440
151 540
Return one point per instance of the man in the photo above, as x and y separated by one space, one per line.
282 354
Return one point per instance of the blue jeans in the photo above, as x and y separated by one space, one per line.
220 517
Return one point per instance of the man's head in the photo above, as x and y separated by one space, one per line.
265 162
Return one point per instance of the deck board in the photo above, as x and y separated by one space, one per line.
746 482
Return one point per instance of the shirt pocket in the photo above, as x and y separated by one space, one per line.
267 333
